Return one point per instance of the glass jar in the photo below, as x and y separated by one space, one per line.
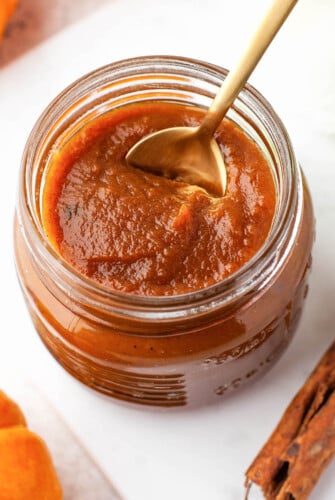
179 350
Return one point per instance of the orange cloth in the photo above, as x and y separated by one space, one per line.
26 468
7 8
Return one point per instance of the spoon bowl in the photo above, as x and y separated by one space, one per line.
191 154
180 153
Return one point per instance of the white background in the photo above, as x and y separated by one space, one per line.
193 454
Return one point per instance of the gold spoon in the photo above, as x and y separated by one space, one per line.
191 154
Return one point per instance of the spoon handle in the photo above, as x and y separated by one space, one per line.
265 33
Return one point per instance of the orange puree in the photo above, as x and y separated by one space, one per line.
140 233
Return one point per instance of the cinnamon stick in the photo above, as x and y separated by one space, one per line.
303 443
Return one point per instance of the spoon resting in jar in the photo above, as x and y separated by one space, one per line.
191 154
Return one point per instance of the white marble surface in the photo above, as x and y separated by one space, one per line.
191 454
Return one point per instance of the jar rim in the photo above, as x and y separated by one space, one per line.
223 292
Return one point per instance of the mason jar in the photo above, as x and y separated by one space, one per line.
189 349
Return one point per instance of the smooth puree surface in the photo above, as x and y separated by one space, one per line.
136 232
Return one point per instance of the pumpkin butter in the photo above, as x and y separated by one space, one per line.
144 234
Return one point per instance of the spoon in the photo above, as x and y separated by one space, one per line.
191 154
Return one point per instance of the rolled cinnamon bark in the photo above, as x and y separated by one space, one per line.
303 444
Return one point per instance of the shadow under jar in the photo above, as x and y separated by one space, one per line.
188 349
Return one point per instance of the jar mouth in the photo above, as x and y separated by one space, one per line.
125 76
